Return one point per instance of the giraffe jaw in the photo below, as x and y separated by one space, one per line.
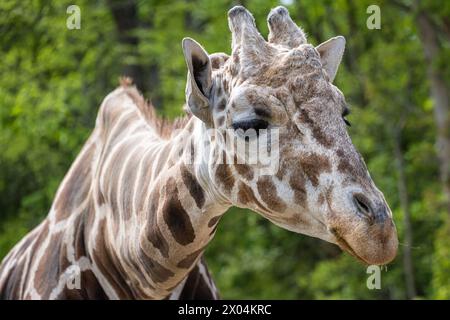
345 246
370 241
375 245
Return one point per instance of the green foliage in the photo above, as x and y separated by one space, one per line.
53 80
441 264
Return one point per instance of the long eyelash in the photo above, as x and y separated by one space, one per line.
345 113
347 122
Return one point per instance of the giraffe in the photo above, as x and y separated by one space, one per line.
144 197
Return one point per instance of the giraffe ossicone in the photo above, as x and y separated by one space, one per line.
144 197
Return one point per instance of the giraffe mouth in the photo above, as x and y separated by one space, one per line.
341 242
344 245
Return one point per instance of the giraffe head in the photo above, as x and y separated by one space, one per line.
321 186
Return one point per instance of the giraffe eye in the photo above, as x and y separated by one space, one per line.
347 122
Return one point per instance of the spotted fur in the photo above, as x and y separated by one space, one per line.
135 213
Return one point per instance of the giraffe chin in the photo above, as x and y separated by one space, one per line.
373 245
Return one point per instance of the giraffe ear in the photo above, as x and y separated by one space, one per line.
198 86
331 52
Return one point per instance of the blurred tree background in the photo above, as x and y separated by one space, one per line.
397 80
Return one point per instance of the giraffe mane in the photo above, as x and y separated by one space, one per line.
163 126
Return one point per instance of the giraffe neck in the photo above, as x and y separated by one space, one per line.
155 211
130 219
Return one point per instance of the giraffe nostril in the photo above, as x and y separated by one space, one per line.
363 205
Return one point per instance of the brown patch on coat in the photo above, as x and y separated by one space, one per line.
218 60
254 99
268 193
90 289
282 170
176 218
214 221
108 263
345 167
100 198
224 175
259 103
190 259
328 195
221 105
234 70
193 186
215 63
13 279
246 196
11 285
157 271
50 266
139 279
352 166
317 132
196 287
263 112
76 186
153 232
243 169
226 86
313 165
236 58
80 231
298 185
220 121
